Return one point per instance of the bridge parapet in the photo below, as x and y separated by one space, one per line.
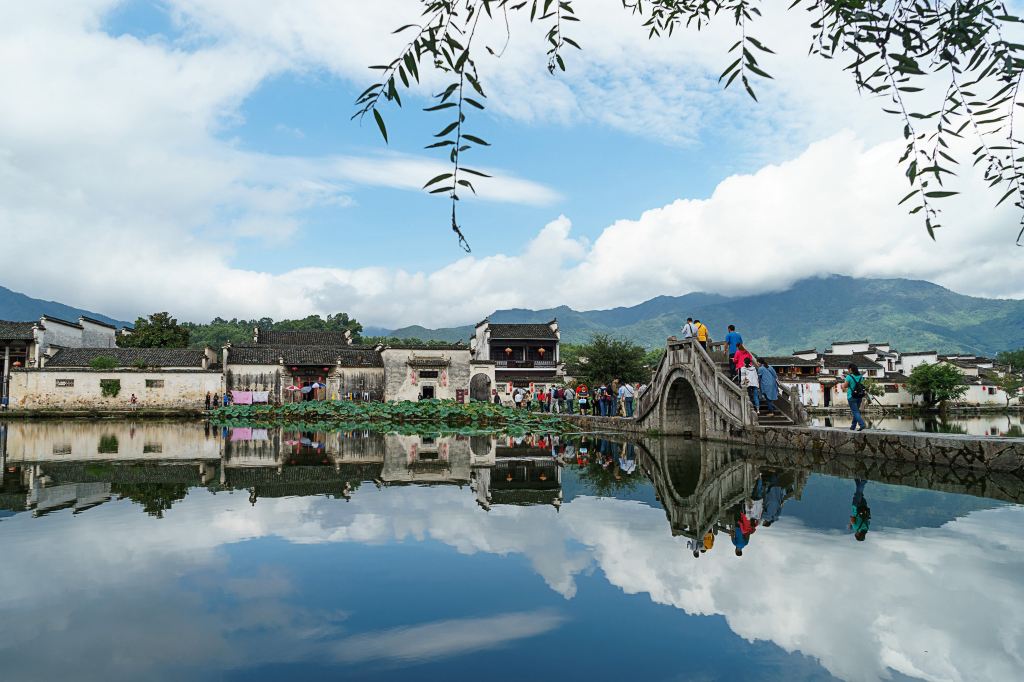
689 395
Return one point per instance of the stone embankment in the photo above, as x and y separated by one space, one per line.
141 413
952 450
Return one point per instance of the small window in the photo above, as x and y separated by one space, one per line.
428 374
62 449
149 448
65 383
154 383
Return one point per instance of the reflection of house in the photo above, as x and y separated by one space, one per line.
524 355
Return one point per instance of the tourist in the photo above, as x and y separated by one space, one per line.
208 398
733 339
628 394
769 381
860 512
582 398
216 400
749 381
689 329
517 398
557 396
542 400
602 400
702 334
855 392
227 398
739 359
497 398
570 400
134 402
741 532
709 539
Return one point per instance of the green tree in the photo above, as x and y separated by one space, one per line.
937 383
899 52
1013 358
159 331
606 358
1012 384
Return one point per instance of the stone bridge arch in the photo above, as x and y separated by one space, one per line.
689 396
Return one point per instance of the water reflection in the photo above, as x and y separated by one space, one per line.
531 550
1009 425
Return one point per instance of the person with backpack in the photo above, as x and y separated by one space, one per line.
689 329
733 339
749 381
856 391
557 396
860 512
570 400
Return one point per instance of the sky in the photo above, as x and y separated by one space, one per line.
197 156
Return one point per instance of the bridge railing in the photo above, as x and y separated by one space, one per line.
729 398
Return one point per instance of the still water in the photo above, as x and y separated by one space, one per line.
179 551
989 424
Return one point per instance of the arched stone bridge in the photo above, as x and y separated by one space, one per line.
690 396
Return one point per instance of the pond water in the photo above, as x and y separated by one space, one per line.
990 424
153 551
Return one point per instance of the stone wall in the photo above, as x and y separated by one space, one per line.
964 452
404 381
37 389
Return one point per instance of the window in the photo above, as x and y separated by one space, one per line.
62 449
428 374
154 383
148 448
65 383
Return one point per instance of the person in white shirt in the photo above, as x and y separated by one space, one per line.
689 329
748 380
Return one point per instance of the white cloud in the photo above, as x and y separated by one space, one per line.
114 179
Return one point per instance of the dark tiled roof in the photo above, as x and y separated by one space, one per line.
788 361
51 318
16 330
895 378
921 352
268 337
298 355
99 322
522 331
425 346
841 361
129 357
847 343
805 352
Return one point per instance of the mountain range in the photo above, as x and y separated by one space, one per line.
22 308
910 314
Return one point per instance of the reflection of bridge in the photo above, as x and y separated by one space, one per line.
699 483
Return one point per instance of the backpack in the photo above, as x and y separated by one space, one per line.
863 511
859 392
559 394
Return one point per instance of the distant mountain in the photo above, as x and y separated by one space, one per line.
910 314
21 308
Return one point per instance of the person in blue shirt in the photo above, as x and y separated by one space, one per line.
733 339
860 512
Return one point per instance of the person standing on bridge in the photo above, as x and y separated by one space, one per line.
628 394
702 334
739 359
733 339
769 381
855 392
749 381
689 329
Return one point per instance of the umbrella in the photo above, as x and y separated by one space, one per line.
317 384
292 388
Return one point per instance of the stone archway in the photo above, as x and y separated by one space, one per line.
681 409
480 387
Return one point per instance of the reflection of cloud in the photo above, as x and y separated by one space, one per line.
445 638
938 603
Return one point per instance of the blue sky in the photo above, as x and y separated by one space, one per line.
202 152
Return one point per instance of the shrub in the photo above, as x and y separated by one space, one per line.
103 362
110 387
139 364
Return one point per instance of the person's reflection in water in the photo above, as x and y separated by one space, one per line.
741 531
860 512
775 496
627 459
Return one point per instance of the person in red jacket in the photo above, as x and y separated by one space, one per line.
739 359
